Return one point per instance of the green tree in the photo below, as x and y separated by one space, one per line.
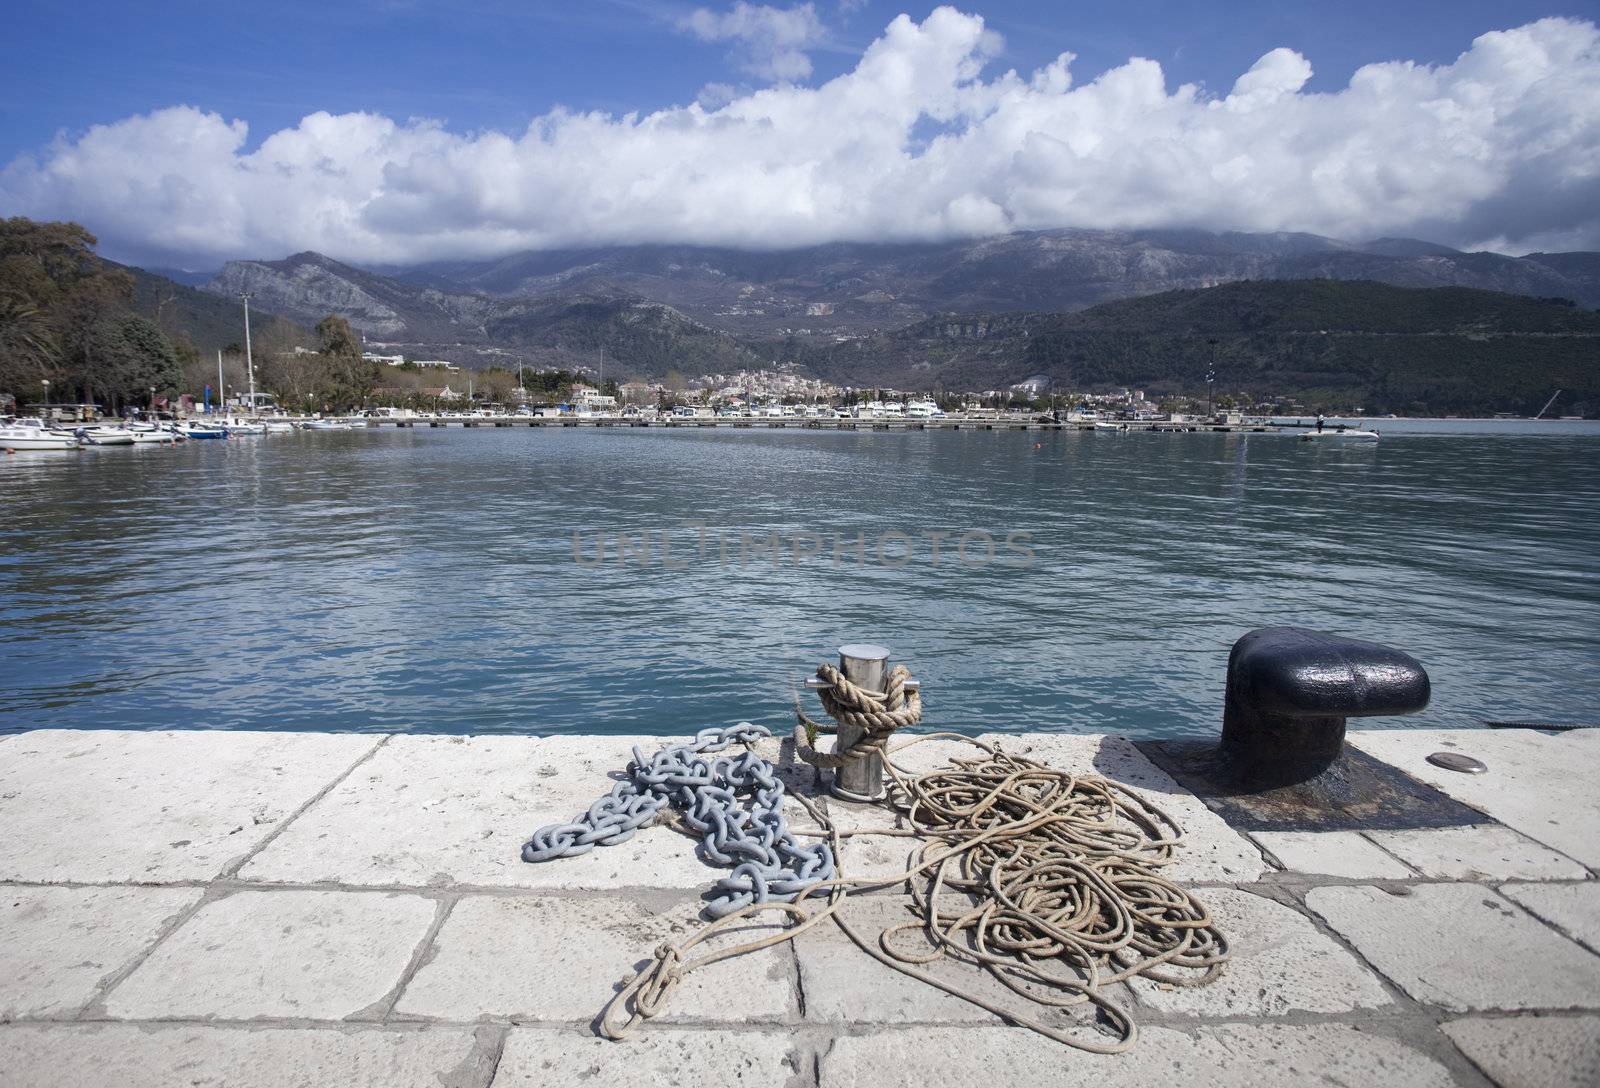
347 380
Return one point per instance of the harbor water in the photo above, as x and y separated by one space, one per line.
616 580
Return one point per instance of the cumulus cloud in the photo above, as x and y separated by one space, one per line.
1502 146
771 42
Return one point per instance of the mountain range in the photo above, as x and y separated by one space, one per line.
1062 306
858 288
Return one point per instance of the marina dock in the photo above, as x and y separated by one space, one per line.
268 908
790 423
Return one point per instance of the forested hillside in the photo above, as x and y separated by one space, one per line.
1330 343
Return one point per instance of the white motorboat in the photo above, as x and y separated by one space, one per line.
105 436
152 433
33 434
277 426
1338 432
235 425
323 425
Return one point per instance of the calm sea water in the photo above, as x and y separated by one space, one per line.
427 579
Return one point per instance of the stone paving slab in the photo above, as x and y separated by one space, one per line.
1541 785
58 944
1347 854
321 955
539 958
1532 1051
1233 1055
1572 908
1462 947
165 1056
656 1057
843 985
454 811
100 807
1281 964
1477 853
1212 852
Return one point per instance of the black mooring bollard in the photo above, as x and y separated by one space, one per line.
1289 693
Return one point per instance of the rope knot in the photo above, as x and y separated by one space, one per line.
877 713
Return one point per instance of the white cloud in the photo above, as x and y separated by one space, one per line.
1502 146
772 42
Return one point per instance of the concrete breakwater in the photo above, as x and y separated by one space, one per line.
260 908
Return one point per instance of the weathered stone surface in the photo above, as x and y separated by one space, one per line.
162 1056
449 811
1572 908
1541 785
912 756
1462 947
1229 1056
320 955
655 1057
1532 1051
872 857
58 944
1212 850
1477 853
1345 854
541 958
1281 964
842 984
100 807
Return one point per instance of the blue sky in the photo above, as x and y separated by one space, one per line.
429 152
491 64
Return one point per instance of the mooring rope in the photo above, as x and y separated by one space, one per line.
1063 896
879 713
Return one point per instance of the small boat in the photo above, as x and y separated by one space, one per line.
234 425
332 424
193 428
152 433
105 436
32 434
1102 425
277 426
1337 432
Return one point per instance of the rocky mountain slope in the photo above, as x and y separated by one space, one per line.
641 335
855 288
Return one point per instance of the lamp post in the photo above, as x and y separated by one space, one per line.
152 402
44 406
1211 377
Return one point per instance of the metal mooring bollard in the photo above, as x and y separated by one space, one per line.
867 666
1289 693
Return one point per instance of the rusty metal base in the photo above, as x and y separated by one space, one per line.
1356 793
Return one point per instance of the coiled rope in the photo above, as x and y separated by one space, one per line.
1061 878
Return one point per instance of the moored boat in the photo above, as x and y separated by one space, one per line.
1338 432
33 434
105 436
153 433
193 428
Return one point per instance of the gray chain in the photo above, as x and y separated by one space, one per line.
768 863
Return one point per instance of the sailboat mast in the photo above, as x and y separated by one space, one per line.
249 361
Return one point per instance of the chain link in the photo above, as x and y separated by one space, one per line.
769 864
